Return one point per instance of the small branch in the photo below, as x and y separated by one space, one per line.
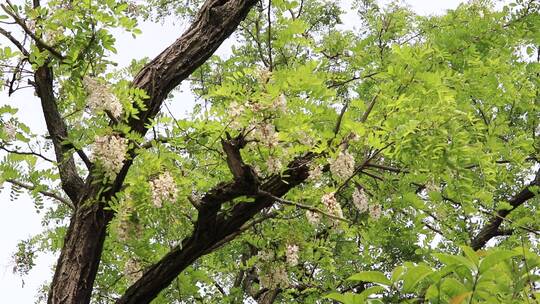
14 41
26 153
369 108
40 43
302 206
43 192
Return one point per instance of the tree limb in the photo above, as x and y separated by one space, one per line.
492 228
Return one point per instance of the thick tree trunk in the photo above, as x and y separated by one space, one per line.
81 253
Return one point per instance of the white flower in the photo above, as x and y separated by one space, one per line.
11 131
274 165
163 189
313 217
100 98
343 165
266 134
110 152
132 270
360 200
331 204
264 75
265 255
432 187
235 109
315 173
280 103
375 211
292 254
276 277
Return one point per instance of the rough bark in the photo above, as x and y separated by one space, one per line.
492 228
80 256
72 183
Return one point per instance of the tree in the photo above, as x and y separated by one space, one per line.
314 153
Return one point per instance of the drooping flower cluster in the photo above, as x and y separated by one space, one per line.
375 211
360 200
235 109
275 277
110 151
264 75
266 134
163 189
432 187
100 98
274 165
10 130
291 254
312 217
280 103
331 204
315 173
343 165
132 270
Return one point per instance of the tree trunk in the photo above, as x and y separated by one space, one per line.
81 253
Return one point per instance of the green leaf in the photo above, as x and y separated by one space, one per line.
494 258
371 276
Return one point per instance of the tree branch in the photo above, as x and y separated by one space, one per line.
43 192
492 228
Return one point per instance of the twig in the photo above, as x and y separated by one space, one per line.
302 206
43 192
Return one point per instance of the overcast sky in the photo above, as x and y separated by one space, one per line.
18 220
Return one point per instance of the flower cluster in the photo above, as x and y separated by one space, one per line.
132 270
343 165
280 103
360 200
375 211
110 152
432 187
266 255
291 254
264 75
235 109
312 217
275 277
331 204
100 98
10 130
163 189
266 134
274 165
315 173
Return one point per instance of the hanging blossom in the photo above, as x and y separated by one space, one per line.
280 103
264 75
343 165
132 270
312 217
360 200
291 254
275 277
266 134
100 98
274 165
163 189
375 211
110 152
432 187
331 204
235 109
315 173
11 131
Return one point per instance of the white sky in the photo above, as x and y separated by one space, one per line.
18 220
